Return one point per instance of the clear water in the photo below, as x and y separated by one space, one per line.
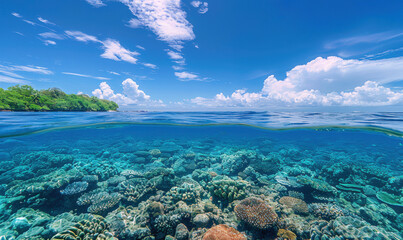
156 175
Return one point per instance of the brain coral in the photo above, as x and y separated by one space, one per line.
256 213
223 232
296 204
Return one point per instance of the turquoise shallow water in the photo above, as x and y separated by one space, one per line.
194 176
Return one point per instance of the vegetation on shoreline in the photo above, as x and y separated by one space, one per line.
26 98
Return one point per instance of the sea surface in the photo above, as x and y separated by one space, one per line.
201 175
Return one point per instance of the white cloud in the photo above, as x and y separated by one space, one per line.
19 33
177 68
114 73
174 55
16 15
135 23
185 76
336 74
86 76
140 47
196 4
30 68
380 54
51 35
112 48
371 38
131 94
9 72
328 81
96 3
45 21
115 51
202 6
49 42
9 75
164 17
82 37
6 79
29 22
150 65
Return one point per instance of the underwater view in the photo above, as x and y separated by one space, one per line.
200 176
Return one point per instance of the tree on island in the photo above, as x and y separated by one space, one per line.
26 98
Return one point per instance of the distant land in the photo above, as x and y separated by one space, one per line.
26 98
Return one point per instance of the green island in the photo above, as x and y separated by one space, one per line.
26 98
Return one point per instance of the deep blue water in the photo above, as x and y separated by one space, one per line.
51 161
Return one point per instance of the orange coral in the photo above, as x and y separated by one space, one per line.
296 204
223 232
286 234
256 213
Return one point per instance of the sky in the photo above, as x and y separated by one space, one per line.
209 55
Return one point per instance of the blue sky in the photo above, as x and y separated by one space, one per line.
191 55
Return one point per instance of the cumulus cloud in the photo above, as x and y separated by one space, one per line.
202 6
85 75
328 81
131 94
96 3
164 17
45 21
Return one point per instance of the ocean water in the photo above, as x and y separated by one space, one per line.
205 175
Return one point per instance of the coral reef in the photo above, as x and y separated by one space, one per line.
296 204
390 199
256 213
284 234
345 227
130 185
223 232
326 211
226 189
74 188
95 228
